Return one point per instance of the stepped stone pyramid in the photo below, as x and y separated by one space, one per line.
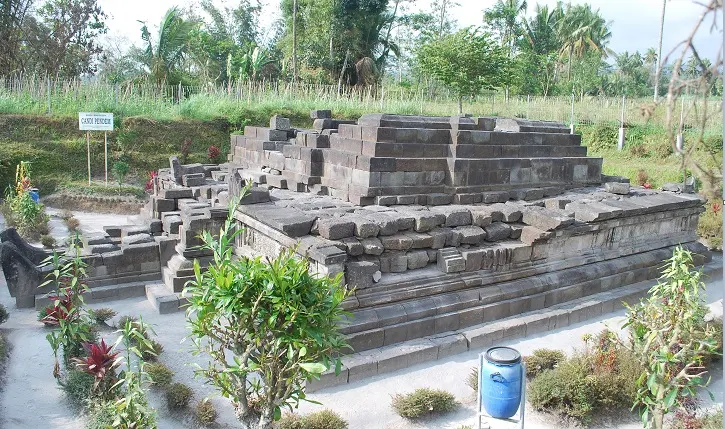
395 159
452 232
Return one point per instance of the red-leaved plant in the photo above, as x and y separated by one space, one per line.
214 154
150 183
61 308
99 363
716 208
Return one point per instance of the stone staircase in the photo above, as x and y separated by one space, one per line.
403 309
575 309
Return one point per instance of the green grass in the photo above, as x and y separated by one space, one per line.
253 102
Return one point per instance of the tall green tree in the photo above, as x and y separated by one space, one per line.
61 39
12 20
466 62
538 60
225 36
581 31
333 35
505 18
164 53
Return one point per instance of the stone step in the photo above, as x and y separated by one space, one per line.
174 280
164 300
382 360
418 317
103 293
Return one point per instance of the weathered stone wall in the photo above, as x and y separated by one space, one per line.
389 159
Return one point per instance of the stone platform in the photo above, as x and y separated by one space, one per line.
424 270
395 159
438 225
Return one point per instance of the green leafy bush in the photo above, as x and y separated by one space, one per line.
325 419
4 316
709 225
424 402
78 385
151 351
48 241
205 412
602 376
243 311
670 339
159 373
178 396
102 315
602 136
542 360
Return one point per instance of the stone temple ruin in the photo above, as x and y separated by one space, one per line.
444 226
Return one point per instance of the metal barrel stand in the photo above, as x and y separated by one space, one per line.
522 405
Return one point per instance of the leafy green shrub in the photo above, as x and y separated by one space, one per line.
178 396
205 412
100 416
542 360
242 324
120 170
325 419
4 316
27 216
123 320
150 350
78 385
48 241
600 137
603 376
424 402
159 373
709 225
102 315
670 340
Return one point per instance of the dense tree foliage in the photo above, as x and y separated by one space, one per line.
466 62
559 49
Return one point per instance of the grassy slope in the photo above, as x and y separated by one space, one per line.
57 150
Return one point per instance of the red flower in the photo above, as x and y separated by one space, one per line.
716 208
647 185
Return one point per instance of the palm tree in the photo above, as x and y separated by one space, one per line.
540 32
650 59
581 31
163 55
504 17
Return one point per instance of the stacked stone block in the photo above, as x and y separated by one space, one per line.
391 159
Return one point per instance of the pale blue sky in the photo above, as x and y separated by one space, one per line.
635 23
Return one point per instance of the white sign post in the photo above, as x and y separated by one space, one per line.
94 121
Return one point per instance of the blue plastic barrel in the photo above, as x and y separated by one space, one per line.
500 380
34 194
